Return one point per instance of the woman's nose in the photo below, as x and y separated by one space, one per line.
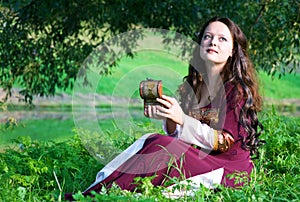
213 41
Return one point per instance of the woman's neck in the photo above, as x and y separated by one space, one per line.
214 76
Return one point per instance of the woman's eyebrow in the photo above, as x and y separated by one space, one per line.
208 32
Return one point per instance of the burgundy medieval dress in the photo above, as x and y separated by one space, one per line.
187 154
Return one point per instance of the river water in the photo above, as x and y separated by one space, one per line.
56 117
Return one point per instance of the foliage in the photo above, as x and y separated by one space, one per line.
283 148
43 171
43 43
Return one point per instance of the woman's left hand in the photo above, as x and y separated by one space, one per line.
172 109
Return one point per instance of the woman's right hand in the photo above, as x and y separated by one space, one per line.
170 109
153 112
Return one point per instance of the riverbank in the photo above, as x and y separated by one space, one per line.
63 105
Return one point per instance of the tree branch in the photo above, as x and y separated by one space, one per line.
262 10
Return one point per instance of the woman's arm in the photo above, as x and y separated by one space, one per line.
191 130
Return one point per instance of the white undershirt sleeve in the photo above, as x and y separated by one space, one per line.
194 132
197 133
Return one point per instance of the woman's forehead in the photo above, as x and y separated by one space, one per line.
218 28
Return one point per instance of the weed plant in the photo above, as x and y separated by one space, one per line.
44 171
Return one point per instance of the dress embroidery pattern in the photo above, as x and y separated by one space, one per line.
210 116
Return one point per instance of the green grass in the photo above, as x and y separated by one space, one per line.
126 76
287 86
124 79
44 171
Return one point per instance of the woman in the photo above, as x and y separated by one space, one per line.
212 131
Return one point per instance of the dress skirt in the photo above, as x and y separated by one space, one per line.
165 157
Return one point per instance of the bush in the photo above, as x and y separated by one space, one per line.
44 171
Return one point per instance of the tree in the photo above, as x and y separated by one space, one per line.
44 42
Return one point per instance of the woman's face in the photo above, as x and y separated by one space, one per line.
216 44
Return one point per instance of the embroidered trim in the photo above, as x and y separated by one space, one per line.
215 140
210 116
224 141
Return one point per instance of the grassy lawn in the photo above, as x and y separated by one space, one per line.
125 78
44 171
287 86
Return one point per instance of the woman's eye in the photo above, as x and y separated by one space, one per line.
206 36
223 39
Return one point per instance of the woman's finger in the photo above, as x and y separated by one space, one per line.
150 114
169 99
163 109
164 102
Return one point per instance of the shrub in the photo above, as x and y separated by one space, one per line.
44 171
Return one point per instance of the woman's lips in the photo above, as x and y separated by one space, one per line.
209 50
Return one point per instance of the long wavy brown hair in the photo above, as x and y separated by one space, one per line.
241 72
